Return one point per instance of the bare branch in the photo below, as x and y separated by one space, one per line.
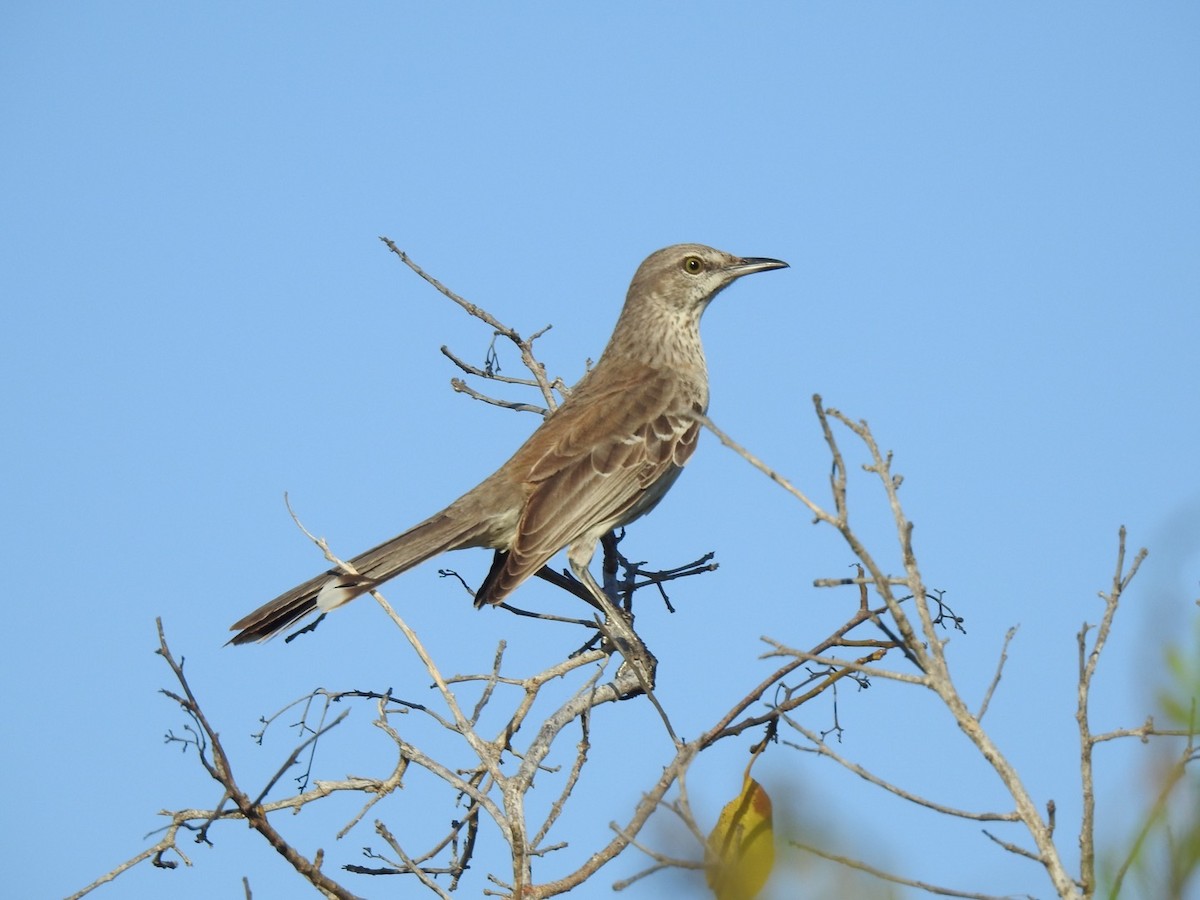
155 853
861 866
835 662
407 864
821 747
222 771
490 375
556 808
545 385
1013 848
1143 732
765 469
987 696
462 387
1087 669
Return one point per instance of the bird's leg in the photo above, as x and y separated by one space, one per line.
617 626
608 569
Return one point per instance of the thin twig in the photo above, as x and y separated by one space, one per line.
987 696
1087 662
861 866
823 748
545 385
221 770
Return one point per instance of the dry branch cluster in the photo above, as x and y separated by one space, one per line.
897 629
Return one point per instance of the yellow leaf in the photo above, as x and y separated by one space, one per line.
741 848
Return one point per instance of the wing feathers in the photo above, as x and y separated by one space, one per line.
609 464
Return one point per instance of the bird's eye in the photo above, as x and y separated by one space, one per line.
693 265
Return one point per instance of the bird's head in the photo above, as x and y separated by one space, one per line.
686 277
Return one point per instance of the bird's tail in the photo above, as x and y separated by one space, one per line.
333 588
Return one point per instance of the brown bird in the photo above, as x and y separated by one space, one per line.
605 457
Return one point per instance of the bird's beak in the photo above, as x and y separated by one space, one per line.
750 264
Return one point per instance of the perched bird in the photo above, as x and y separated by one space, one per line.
605 457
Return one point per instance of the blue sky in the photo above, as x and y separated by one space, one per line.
992 213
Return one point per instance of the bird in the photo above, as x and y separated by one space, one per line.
604 458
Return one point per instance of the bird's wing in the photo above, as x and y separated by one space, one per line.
606 461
